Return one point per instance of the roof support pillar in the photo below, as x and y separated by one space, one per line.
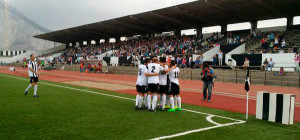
106 40
290 22
81 43
224 29
253 26
152 35
199 33
177 33
118 39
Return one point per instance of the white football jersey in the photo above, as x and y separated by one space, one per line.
173 75
33 65
163 77
142 79
153 68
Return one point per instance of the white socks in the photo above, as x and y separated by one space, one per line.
140 102
175 100
149 101
28 87
154 102
172 102
137 100
164 100
146 102
179 101
35 89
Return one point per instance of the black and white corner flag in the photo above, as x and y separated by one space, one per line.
247 82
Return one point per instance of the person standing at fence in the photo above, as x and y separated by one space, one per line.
271 64
297 60
220 58
207 76
246 64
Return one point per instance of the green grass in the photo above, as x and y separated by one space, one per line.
61 113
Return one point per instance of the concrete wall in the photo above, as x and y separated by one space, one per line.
290 79
281 60
238 50
269 29
207 56
27 54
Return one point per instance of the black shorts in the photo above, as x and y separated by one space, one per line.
163 89
153 88
34 79
141 89
174 89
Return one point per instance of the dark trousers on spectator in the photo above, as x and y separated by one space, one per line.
207 86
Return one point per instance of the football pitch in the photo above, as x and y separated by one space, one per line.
74 112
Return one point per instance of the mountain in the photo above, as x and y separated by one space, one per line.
22 29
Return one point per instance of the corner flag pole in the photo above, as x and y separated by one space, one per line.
247 88
247 107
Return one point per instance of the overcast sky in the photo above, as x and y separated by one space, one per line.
61 14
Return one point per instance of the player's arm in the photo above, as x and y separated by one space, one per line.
168 70
150 74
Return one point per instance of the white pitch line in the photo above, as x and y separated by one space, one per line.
196 130
208 118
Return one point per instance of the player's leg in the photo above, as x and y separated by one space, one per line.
36 80
175 102
35 90
140 103
146 101
172 104
29 86
172 98
137 96
163 103
149 100
177 92
205 86
154 101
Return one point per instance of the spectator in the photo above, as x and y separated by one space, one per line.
215 59
271 64
207 76
220 58
197 63
246 64
265 64
295 49
81 67
297 60
281 71
190 61
183 65
201 60
283 43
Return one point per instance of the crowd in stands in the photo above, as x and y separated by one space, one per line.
184 45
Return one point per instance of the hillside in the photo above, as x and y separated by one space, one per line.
22 30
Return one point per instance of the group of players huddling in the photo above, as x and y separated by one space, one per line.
158 78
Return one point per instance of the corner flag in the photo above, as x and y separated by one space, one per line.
247 88
247 82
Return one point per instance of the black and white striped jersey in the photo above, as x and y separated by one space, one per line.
34 66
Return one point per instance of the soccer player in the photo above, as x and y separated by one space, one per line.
153 68
33 75
163 88
174 86
141 84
